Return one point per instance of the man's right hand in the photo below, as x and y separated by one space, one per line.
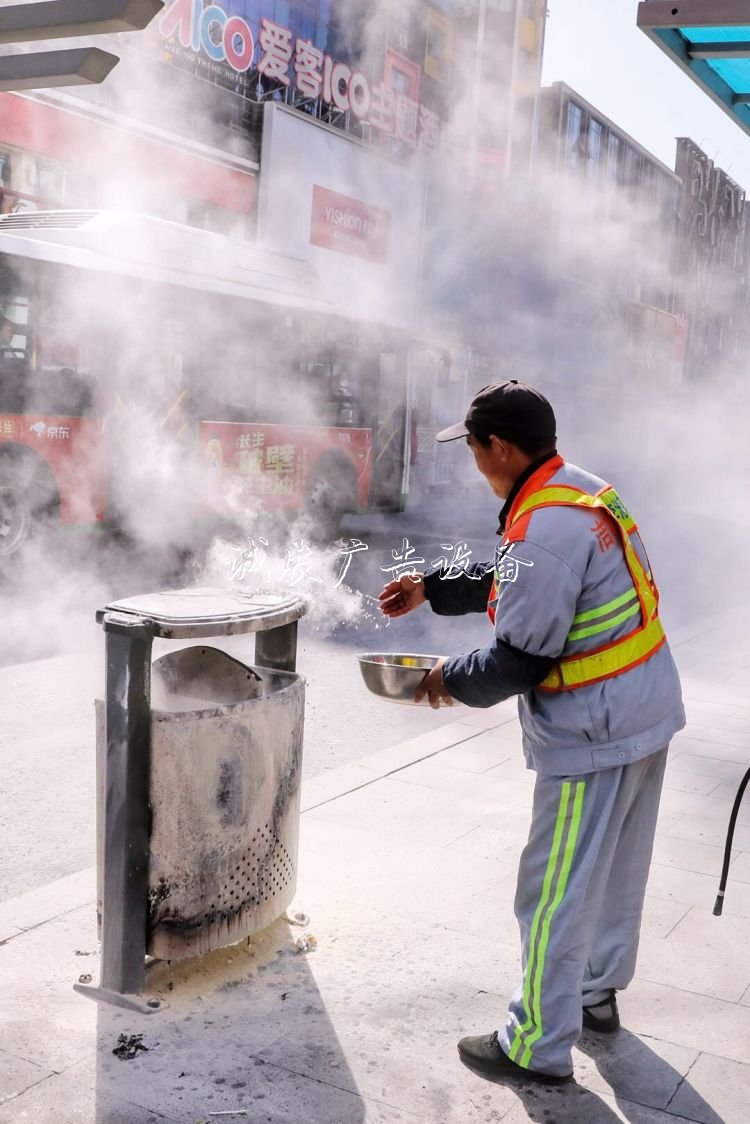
401 596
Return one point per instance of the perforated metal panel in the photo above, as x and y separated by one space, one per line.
256 879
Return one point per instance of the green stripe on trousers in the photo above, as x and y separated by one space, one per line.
565 837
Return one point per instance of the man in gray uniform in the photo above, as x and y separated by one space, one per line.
577 636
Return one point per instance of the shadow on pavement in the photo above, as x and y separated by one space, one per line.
638 1075
571 1104
641 1081
245 1028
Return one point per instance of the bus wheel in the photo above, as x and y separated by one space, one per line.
331 493
28 504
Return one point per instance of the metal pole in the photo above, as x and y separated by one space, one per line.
533 149
127 815
276 648
512 103
476 94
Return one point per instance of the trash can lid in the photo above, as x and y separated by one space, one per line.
184 613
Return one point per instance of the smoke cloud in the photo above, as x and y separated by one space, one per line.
513 270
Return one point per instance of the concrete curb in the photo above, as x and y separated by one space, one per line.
46 903
29 911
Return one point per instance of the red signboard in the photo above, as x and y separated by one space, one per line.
349 226
89 145
268 466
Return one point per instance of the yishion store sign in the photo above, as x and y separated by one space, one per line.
221 46
349 226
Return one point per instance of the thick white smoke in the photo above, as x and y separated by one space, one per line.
495 251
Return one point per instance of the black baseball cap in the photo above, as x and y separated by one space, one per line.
507 409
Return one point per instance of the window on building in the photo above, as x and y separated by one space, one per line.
632 169
401 26
593 148
4 169
47 180
613 157
573 136
402 75
438 47
651 185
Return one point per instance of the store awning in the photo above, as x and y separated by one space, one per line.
710 41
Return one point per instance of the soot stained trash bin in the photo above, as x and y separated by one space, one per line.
198 780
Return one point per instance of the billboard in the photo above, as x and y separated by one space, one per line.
348 226
355 214
311 56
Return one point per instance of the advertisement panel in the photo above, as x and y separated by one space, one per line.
354 214
270 465
348 226
72 447
306 56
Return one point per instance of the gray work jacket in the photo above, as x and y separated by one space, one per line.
565 589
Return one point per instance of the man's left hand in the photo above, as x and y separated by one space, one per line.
433 688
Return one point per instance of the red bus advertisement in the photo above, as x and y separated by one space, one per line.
147 369
273 462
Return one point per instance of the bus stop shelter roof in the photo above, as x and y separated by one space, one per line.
710 41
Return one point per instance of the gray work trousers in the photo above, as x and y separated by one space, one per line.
581 884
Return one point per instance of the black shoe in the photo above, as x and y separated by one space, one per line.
483 1053
603 1017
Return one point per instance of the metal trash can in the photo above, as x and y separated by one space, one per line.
198 780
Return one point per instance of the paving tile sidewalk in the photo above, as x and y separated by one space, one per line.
407 874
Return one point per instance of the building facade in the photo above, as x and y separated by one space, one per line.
184 108
330 130
714 258
610 224
486 156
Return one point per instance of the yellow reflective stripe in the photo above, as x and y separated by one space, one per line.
562 812
602 626
561 495
614 505
604 610
626 526
571 497
625 521
562 885
577 671
638 574
564 495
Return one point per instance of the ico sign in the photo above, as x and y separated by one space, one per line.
221 37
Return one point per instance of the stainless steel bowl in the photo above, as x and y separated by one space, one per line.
392 676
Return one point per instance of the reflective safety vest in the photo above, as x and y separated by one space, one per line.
571 672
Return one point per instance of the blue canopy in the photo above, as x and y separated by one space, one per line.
710 41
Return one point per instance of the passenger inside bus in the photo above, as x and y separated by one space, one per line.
7 332
28 387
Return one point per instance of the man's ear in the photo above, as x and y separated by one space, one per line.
503 448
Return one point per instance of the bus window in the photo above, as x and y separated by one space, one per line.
14 326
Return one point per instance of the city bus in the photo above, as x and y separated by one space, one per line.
156 378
